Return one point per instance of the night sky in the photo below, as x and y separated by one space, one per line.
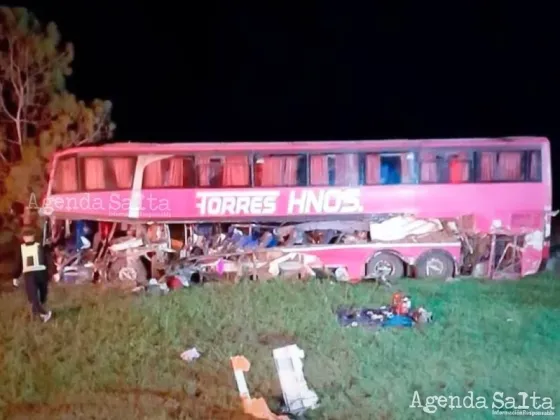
180 73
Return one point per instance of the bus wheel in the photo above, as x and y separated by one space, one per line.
385 264
133 272
435 264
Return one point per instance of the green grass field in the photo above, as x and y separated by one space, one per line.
110 356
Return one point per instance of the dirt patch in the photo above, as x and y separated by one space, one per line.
6 285
276 339
157 403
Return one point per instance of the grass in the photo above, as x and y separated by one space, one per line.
110 356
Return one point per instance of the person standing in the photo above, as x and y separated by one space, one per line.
32 262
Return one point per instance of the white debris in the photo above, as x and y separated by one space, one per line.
341 274
128 244
297 395
399 227
190 355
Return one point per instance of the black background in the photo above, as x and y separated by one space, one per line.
253 72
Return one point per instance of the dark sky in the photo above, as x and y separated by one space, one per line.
260 73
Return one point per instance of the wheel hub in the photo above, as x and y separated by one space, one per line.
434 267
383 268
128 274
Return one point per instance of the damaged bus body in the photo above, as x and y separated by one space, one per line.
356 209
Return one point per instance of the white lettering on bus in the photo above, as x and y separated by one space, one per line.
222 203
335 200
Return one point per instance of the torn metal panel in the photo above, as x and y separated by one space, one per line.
127 244
344 226
532 252
265 251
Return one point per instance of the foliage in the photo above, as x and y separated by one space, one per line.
108 355
37 114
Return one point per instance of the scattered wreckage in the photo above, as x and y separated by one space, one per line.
399 313
298 398
384 247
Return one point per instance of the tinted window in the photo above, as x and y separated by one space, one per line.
65 178
101 173
280 170
94 176
173 172
388 168
340 169
534 164
439 167
501 166
120 171
223 171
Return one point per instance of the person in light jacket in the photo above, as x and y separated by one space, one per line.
32 261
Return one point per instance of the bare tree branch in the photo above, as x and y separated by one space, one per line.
37 115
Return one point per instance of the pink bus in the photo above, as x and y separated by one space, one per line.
425 208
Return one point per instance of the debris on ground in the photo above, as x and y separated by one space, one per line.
398 314
298 398
255 407
190 355
297 395
156 288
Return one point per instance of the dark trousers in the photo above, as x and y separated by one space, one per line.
36 288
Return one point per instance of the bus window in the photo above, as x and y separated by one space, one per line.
173 172
215 170
94 173
153 175
302 172
341 169
510 167
505 166
121 169
428 167
65 176
459 165
319 170
535 168
444 167
220 171
346 170
280 171
236 171
207 169
189 172
331 169
389 168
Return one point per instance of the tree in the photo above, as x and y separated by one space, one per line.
37 114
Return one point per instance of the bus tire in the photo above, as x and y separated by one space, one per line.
123 271
385 262
435 264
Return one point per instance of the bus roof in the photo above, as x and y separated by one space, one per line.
139 147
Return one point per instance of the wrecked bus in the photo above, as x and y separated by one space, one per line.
356 209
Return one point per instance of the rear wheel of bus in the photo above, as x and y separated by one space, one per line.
435 264
386 265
